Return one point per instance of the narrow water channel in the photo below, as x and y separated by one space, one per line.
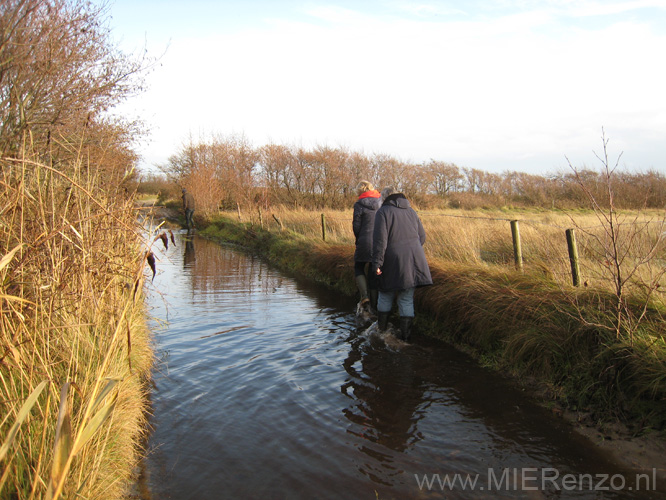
264 389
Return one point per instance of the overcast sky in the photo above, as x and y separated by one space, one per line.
490 84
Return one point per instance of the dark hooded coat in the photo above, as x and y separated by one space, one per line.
397 248
363 224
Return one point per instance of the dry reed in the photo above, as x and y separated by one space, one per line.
484 238
72 332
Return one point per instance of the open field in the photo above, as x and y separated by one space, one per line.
484 238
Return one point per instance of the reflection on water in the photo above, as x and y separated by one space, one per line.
189 256
266 390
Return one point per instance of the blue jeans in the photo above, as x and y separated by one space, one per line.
405 302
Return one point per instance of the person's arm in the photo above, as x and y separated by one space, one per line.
356 221
422 235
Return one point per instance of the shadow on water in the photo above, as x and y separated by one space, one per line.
265 389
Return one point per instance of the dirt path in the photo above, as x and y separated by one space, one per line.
643 453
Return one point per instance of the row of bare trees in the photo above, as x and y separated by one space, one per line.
225 171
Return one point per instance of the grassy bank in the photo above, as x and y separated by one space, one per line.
527 324
74 348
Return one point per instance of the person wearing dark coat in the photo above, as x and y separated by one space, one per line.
363 223
398 259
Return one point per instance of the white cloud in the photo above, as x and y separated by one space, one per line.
523 86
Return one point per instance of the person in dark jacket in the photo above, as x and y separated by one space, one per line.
188 207
363 223
398 259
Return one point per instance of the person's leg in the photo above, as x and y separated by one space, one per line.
384 305
406 309
406 323
361 280
406 302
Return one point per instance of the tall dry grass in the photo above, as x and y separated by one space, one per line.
484 238
74 347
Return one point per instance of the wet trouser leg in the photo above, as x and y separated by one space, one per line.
188 218
406 302
361 279
385 301
359 268
362 285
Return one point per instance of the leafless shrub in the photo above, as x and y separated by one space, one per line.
627 246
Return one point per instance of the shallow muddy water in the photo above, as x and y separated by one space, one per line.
264 389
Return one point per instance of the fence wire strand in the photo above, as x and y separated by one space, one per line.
488 240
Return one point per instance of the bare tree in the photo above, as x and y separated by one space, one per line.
58 70
277 173
333 178
180 164
194 168
360 168
626 246
444 177
236 164
392 171
473 178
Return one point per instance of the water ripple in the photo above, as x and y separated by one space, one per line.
266 390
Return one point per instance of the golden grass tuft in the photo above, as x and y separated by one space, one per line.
71 315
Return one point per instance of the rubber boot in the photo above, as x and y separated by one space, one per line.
406 327
362 284
382 320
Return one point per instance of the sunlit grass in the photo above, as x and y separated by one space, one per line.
484 238
71 322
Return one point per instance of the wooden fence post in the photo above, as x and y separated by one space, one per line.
573 256
277 219
323 226
517 251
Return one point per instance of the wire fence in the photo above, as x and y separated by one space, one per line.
567 248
